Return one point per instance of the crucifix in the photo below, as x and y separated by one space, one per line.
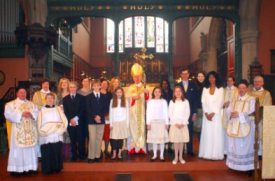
141 56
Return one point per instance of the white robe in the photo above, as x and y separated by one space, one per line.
20 158
240 154
211 142
230 94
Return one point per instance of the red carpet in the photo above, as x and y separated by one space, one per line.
134 166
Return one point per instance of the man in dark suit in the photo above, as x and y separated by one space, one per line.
73 109
96 108
191 93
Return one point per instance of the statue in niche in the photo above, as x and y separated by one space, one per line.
203 39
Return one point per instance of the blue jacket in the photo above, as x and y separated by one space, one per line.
192 95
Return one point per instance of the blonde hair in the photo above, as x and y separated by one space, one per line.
73 83
96 81
112 82
59 87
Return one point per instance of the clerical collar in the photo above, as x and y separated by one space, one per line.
45 92
48 106
243 97
261 89
231 88
20 100
139 84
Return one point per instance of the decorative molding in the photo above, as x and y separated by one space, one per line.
249 36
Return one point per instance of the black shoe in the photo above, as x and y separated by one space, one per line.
250 173
82 159
107 154
162 159
32 172
16 174
57 171
97 159
190 154
91 160
73 160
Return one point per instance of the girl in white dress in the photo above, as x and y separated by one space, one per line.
211 144
179 113
157 122
119 121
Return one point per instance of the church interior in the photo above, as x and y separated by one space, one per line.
76 39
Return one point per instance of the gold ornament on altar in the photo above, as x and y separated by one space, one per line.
141 56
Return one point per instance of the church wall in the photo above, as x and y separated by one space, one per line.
14 68
181 41
81 46
99 57
266 33
195 42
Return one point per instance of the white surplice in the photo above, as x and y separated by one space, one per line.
211 142
240 154
21 158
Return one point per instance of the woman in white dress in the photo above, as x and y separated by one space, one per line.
211 144
157 122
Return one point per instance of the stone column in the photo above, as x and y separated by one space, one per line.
249 19
211 63
249 41
170 54
116 54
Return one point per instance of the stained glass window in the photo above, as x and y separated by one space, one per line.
166 36
159 35
128 32
150 31
110 36
139 32
120 37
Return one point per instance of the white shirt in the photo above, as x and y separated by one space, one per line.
157 109
179 112
45 92
97 94
119 114
185 85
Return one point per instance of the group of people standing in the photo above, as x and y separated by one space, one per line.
102 110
